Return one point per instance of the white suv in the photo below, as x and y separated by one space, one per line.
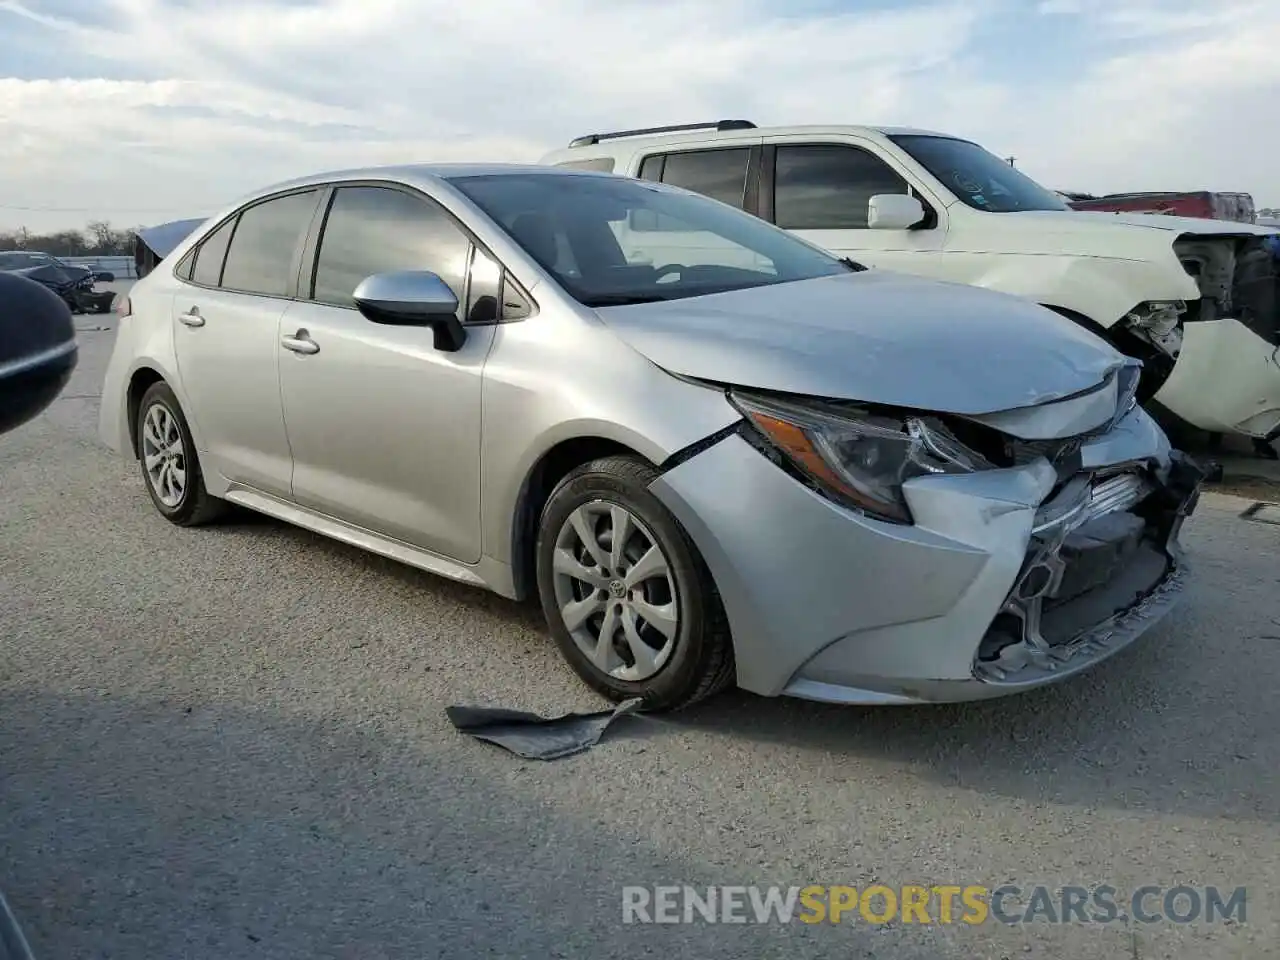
1197 300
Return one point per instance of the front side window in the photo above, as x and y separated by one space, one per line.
379 230
260 258
827 186
582 231
978 178
211 253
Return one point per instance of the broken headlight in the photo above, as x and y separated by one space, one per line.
1158 322
858 458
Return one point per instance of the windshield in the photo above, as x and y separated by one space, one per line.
614 240
977 177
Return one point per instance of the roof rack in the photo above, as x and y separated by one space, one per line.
591 138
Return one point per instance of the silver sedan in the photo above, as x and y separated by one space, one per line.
715 453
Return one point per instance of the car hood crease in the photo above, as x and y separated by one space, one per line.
876 337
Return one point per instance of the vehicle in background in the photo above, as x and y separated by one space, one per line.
745 460
1199 204
76 285
1196 300
152 244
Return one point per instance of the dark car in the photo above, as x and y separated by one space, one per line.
73 283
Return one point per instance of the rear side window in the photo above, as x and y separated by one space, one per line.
826 186
598 164
376 230
260 259
208 265
719 174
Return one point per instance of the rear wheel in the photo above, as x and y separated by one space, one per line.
170 465
626 595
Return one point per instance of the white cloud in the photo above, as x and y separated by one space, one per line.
225 95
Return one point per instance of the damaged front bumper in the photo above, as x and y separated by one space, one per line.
1226 380
1007 580
1104 564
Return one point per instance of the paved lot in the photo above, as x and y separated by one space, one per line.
230 743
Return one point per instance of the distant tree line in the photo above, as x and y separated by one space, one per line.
97 239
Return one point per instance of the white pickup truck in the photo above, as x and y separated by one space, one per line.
1197 300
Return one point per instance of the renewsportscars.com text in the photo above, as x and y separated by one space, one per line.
970 904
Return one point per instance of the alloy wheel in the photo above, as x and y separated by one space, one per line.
615 592
163 455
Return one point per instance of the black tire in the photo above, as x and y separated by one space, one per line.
700 662
196 506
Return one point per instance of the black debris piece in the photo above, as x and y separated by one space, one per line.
538 738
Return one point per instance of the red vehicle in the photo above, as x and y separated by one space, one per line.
1200 204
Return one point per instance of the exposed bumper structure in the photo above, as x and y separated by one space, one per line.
1226 380
1008 579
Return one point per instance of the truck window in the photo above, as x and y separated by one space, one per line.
719 174
977 177
827 186
599 164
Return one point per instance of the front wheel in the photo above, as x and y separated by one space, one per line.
170 465
627 597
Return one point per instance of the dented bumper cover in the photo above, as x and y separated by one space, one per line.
1007 580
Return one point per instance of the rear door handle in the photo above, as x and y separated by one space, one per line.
192 318
300 342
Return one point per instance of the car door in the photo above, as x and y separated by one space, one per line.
226 336
384 428
821 192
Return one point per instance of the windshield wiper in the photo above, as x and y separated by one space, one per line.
854 265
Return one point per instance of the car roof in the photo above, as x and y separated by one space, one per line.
424 175
410 172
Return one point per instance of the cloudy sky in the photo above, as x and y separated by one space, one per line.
142 111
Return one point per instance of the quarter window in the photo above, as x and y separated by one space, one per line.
377 230
208 263
260 259
821 186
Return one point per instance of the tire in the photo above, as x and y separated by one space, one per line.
193 506
686 645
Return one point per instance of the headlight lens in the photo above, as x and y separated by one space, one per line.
860 459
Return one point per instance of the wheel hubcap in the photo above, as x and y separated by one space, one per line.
615 592
163 455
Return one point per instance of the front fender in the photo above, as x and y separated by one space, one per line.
562 379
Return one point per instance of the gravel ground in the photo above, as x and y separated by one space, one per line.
231 742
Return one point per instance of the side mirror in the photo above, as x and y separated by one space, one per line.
413 298
38 349
104 276
894 211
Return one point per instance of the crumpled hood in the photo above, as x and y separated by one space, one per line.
1158 221
875 336
1081 233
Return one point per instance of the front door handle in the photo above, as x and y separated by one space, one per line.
192 318
301 342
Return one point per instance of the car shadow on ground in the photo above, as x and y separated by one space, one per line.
1177 724
182 828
